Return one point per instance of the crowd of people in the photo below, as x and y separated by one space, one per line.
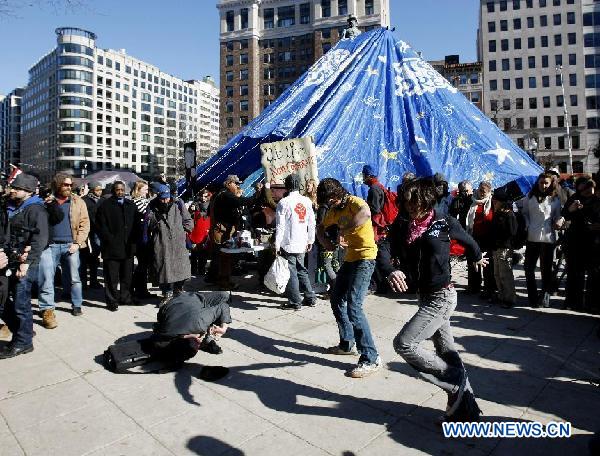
400 241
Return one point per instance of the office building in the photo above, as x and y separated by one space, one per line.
10 129
87 109
466 77
533 54
267 45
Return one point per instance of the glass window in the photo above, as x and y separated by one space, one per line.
243 59
286 16
544 41
244 74
572 79
490 7
493 84
516 4
533 103
244 18
558 40
533 122
505 64
572 59
229 15
531 42
229 76
542 3
570 17
531 61
545 81
244 90
305 13
517 43
546 102
517 23
530 22
342 7
491 27
243 105
229 60
325 8
503 25
268 21
557 19
506 84
518 83
560 101
572 38
573 100
529 3
556 2
557 80
544 61
519 103
491 45
492 65
532 82
503 5
369 7
518 63
543 21
558 59
504 45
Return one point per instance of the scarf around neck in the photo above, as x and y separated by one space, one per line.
416 228
487 205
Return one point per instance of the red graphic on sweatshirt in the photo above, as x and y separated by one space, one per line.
301 211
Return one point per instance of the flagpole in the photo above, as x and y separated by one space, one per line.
566 113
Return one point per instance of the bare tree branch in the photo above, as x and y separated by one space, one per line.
14 8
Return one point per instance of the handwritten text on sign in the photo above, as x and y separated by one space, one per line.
295 156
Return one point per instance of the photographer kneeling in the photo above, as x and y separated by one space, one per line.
191 322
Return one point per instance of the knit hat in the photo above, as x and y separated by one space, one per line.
94 185
232 178
25 182
163 191
369 171
292 182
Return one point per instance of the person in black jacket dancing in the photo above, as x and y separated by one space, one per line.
422 245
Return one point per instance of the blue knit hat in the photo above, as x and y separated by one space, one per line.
163 191
369 171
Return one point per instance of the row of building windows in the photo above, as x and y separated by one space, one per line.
243 121
76 74
591 81
75 60
73 48
507 104
530 22
531 62
543 40
516 4
518 123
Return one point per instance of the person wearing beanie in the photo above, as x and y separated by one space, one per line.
28 228
294 236
166 225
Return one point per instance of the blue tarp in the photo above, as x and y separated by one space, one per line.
374 100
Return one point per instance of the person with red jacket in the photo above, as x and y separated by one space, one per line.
199 235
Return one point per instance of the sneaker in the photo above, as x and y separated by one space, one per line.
10 351
113 307
467 410
5 333
76 311
288 306
336 350
309 302
49 319
455 398
365 369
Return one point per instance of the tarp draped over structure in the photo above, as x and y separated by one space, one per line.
374 100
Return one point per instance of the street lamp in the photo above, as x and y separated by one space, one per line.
566 113
533 146
84 170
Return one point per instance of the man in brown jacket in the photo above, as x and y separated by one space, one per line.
65 240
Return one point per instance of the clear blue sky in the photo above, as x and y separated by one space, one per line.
181 36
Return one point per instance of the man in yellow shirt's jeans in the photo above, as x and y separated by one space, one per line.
353 218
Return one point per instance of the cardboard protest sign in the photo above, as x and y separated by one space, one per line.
294 156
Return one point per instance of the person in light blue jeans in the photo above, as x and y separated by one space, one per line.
420 244
59 254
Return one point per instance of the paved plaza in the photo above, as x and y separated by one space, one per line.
284 396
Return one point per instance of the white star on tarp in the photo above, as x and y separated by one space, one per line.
382 59
372 72
403 46
489 176
500 153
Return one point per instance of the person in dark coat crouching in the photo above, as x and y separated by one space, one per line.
191 322
115 220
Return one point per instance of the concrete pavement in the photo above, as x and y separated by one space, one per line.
283 395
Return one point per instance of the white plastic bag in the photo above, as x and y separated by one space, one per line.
278 276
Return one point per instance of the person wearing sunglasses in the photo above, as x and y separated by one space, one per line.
65 240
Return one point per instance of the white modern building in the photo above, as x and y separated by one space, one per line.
10 129
536 86
87 109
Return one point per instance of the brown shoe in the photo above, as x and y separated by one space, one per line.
5 333
49 319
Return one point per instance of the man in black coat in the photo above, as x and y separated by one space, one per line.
116 225
90 256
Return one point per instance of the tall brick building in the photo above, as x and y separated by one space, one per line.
267 44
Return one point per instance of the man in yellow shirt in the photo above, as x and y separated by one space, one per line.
352 217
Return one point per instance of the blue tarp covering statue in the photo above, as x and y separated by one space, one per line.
372 100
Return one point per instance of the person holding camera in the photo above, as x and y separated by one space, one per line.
28 228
